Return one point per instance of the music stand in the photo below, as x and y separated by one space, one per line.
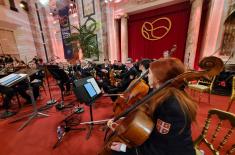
35 112
87 91
60 75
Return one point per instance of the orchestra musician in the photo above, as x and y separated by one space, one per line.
115 65
126 78
105 69
107 65
22 87
143 66
173 116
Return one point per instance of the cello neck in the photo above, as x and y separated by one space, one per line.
132 85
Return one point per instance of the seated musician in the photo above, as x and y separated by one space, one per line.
86 69
105 69
21 88
115 65
121 66
143 67
107 65
126 79
173 116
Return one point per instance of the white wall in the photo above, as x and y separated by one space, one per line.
18 22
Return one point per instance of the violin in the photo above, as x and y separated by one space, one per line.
112 79
137 125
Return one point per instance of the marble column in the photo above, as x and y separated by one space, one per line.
193 33
32 15
213 33
117 43
124 38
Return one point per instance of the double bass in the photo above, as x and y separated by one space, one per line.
137 125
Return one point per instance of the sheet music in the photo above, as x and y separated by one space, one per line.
95 85
10 79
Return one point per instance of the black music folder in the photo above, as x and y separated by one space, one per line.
86 90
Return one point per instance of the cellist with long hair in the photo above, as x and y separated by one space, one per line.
173 115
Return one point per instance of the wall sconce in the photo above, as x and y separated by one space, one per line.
24 5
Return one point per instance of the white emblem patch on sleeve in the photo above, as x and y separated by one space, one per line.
163 127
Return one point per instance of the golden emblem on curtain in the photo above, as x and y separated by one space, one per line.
157 29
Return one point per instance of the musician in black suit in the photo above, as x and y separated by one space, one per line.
20 88
107 65
143 67
126 78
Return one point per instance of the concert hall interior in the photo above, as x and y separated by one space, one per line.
117 77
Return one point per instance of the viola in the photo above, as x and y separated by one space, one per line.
137 125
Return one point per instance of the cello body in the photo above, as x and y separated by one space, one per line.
135 93
140 126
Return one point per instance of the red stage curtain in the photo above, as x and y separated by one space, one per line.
139 47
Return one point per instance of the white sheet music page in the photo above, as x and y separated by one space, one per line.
9 79
95 85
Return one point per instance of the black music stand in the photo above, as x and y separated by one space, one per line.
60 75
35 112
87 91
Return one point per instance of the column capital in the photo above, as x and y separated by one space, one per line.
120 16
125 16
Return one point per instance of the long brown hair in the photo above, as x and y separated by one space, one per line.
165 69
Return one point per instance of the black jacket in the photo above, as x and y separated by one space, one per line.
126 78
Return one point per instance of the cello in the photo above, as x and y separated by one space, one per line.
136 90
137 125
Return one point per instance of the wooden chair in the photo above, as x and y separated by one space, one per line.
202 86
215 143
232 98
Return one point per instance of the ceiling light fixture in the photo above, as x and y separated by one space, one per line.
44 2
24 5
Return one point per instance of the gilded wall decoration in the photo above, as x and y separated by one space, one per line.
151 30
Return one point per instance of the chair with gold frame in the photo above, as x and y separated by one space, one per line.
202 86
232 98
213 140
